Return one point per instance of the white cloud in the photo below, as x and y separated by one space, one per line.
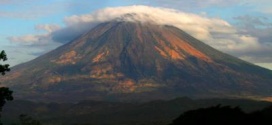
266 65
48 27
198 25
27 39
190 5
31 39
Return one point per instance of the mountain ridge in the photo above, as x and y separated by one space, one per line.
126 60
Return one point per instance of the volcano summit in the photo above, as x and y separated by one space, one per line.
124 60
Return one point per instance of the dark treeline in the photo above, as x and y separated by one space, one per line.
224 115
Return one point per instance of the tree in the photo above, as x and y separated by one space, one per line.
5 93
5 67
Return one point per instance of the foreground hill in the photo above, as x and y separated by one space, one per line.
116 113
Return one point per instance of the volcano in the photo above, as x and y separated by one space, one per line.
135 61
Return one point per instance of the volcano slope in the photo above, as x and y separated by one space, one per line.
134 61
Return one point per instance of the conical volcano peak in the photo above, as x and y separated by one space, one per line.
142 41
124 60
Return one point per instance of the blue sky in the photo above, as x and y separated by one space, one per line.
28 27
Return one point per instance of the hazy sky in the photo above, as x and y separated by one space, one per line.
242 28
